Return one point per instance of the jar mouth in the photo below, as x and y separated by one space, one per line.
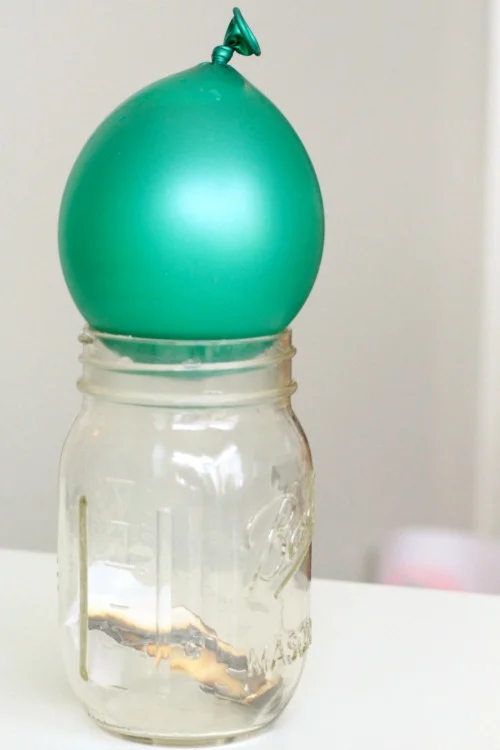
116 352
178 373
94 333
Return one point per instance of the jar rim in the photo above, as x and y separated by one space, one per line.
186 373
118 353
89 335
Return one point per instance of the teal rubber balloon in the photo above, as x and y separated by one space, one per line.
193 212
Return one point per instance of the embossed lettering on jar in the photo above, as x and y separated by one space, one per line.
186 519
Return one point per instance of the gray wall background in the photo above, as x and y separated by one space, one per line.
388 96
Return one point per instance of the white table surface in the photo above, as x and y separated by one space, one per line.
389 669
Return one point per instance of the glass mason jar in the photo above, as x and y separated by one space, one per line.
186 520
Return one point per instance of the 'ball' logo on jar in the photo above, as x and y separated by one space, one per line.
285 527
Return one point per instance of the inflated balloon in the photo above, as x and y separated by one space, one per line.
194 211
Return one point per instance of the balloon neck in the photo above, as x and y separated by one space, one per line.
222 54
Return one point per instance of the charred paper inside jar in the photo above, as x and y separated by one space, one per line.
182 640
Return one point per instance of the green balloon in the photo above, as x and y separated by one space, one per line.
193 212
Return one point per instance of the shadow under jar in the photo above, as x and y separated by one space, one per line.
185 528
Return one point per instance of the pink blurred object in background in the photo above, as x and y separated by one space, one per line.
440 559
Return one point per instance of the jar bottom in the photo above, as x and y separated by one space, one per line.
205 740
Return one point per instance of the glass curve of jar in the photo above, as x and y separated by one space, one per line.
185 529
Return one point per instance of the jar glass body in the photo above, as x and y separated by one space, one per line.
185 528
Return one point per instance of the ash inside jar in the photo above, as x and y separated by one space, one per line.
139 618
194 649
